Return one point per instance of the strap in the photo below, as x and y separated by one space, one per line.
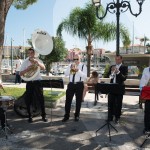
82 70
73 78
20 61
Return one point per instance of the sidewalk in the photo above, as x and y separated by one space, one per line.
81 135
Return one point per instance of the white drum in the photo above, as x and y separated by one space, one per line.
6 101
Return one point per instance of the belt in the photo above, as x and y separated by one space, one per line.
76 82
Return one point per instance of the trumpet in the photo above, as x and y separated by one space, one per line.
73 69
113 72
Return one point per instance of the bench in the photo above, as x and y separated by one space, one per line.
131 88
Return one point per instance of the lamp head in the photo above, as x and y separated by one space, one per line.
140 1
97 3
147 45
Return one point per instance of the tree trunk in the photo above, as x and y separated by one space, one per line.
47 69
89 49
89 52
4 7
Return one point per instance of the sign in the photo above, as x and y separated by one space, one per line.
130 62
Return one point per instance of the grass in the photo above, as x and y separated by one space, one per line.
17 92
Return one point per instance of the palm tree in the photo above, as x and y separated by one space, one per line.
126 44
84 23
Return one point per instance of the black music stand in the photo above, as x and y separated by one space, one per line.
6 129
107 88
147 137
53 84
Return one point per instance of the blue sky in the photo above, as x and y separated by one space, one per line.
47 14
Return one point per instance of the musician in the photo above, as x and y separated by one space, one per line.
18 63
145 79
2 115
93 79
34 86
77 73
117 74
2 118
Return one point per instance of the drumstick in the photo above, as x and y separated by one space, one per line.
2 88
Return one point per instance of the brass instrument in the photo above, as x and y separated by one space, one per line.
31 71
43 44
113 69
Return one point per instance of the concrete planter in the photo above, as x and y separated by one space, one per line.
8 78
53 104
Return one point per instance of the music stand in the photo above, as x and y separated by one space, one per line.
6 129
146 138
53 84
107 88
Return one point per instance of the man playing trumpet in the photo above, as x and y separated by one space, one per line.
77 73
33 87
118 74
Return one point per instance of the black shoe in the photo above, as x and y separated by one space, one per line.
44 119
76 119
3 127
145 131
30 120
109 119
65 119
117 120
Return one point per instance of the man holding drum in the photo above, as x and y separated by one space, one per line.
34 86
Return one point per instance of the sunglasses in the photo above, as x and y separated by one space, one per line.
76 59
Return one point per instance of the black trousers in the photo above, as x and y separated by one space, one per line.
18 78
2 117
147 115
34 96
114 105
77 90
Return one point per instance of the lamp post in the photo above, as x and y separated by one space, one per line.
117 7
11 57
23 44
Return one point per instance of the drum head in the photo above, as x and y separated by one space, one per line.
6 98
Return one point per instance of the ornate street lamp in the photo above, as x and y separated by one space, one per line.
148 48
117 7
